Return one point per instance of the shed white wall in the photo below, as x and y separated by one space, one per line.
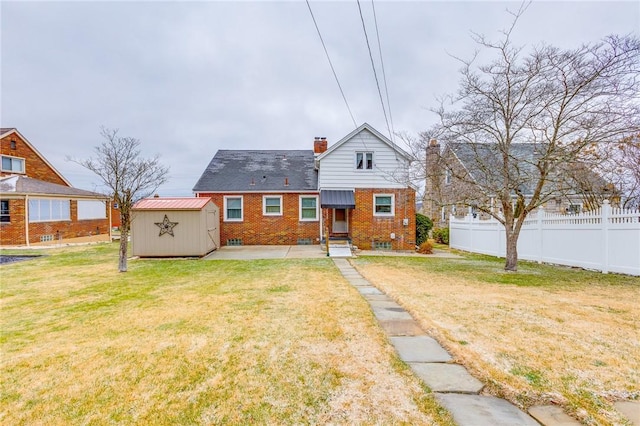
196 234
338 169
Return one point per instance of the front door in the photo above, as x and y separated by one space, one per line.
340 221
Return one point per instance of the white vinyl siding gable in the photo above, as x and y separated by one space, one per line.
338 169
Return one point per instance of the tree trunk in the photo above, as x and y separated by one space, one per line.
512 251
122 262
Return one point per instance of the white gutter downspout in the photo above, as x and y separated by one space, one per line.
26 218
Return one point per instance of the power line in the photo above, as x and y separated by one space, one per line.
384 74
331 64
375 74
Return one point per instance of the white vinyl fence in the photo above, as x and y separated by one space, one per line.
607 239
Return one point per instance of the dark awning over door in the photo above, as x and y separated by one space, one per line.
337 199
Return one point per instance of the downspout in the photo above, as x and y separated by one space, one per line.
110 221
26 218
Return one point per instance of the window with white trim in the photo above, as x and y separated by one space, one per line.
91 209
233 211
272 205
5 217
574 208
308 208
447 176
383 204
364 160
49 210
12 164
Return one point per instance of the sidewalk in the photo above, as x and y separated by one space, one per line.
454 388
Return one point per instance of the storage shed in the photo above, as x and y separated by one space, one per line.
174 227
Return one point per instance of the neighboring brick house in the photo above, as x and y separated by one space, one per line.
458 175
37 204
356 189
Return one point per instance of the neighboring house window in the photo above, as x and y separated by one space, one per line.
383 205
12 164
447 176
574 208
91 209
48 210
233 209
308 208
364 160
272 205
443 214
4 211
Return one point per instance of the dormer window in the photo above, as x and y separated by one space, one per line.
12 164
364 160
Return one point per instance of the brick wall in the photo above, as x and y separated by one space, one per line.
35 166
13 233
365 229
257 229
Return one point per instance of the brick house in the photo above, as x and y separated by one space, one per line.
357 189
459 178
37 204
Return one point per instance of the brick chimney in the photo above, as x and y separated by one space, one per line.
432 189
319 145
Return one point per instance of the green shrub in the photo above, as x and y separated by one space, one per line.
441 235
423 226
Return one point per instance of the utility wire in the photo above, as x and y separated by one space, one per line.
331 64
375 74
384 74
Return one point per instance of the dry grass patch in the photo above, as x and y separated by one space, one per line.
195 342
544 334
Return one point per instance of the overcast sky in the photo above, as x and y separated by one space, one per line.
189 78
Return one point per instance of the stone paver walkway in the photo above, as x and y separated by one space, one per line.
454 387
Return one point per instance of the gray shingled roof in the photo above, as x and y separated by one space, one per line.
27 185
258 171
4 130
484 163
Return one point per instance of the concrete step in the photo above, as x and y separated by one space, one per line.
481 410
629 409
552 415
419 349
446 377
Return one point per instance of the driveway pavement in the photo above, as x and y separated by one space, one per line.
267 252
301 252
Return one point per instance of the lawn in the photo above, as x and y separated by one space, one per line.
543 335
195 342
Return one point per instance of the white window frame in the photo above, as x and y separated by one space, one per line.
264 205
364 159
233 219
91 209
40 214
12 158
306 219
393 205
5 214
574 208
447 176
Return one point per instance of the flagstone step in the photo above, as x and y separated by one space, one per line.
481 410
552 415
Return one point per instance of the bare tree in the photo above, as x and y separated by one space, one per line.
530 120
622 168
128 176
